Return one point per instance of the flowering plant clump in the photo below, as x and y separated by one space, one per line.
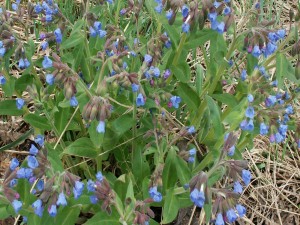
123 124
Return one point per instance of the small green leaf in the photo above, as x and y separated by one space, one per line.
74 40
123 124
183 171
102 218
68 216
82 147
9 108
226 98
37 121
169 177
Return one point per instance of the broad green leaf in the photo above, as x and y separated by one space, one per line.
171 207
207 160
3 212
61 118
199 79
53 157
180 72
140 166
102 218
123 124
215 116
82 147
183 171
22 82
199 38
226 98
188 95
68 215
9 108
96 138
74 40
169 177
38 121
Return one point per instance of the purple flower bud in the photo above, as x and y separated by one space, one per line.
231 215
197 197
241 210
47 62
140 100
246 176
101 127
20 103
17 205
52 210
123 11
32 162
14 164
73 101
237 187
154 194
61 199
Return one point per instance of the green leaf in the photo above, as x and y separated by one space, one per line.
9 108
199 79
3 212
180 71
37 121
171 207
123 124
226 98
188 95
96 138
102 218
215 116
22 82
55 160
183 171
72 41
82 147
140 166
169 177
207 159
61 118
199 38
68 216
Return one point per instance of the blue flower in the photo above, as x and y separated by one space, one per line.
250 125
73 101
47 62
48 18
219 220
50 79
270 101
148 58
13 183
246 176
281 33
14 6
192 152
263 129
231 215
40 185
24 173
90 186
289 109
256 51
2 80
227 11
197 197
237 187
134 87
140 100
279 138
191 130
14 163
32 162
273 36
33 150
244 75
241 210
175 100
93 199
38 8
250 98
185 27
93 32
154 194
159 8
2 51
231 151
20 103
38 208
101 127
17 205
52 210
221 27
61 199
169 14
185 11
102 33
217 4
212 16
250 112
58 35
99 176
77 189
